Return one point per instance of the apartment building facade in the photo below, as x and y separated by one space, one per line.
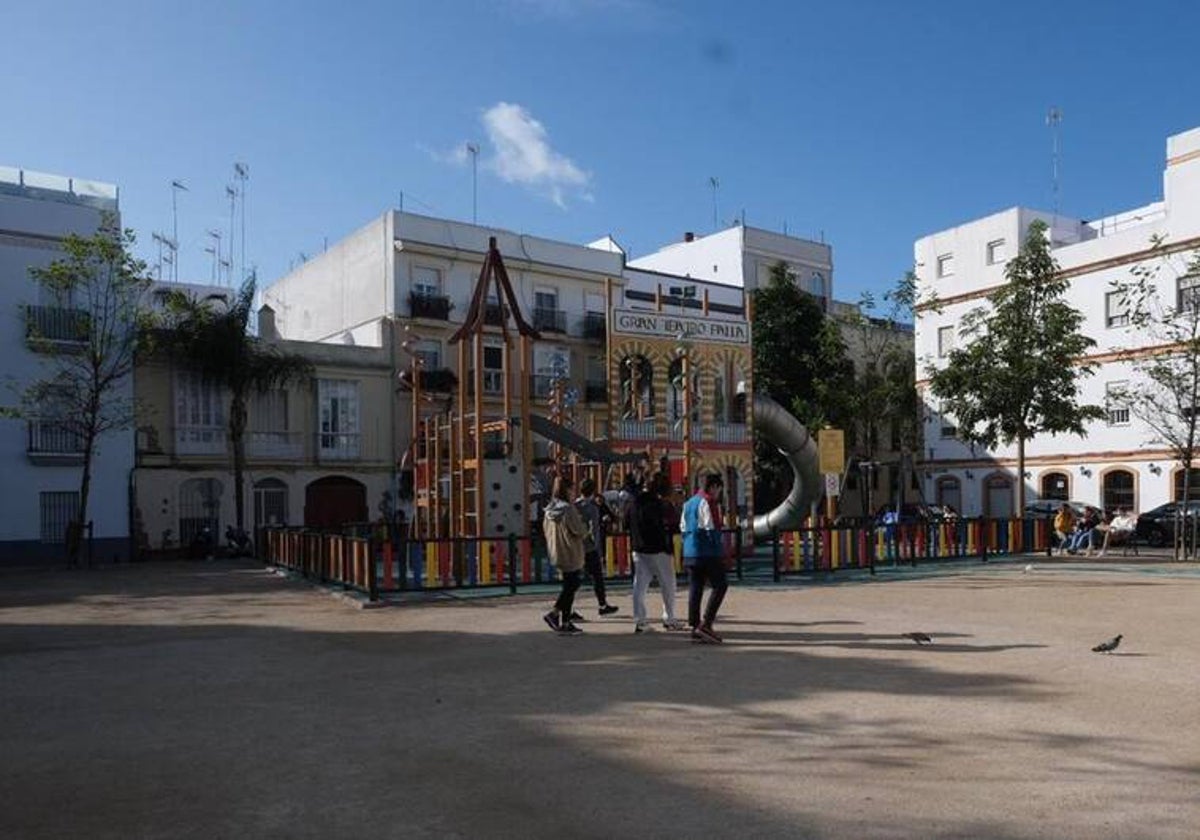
1120 462
41 461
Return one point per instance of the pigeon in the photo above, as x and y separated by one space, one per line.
919 638
1109 646
1028 568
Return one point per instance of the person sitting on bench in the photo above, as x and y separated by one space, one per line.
1120 530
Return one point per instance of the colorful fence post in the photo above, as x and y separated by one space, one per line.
512 563
775 555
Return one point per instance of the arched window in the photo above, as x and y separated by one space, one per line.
675 375
1056 486
1117 490
949 492
200 508
270 503
1193 485
637 388
997 496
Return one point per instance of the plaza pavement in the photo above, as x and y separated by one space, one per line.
214 700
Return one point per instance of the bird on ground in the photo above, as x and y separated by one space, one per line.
1028 568
919 638
1109 646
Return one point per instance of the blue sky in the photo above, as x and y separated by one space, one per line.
873 123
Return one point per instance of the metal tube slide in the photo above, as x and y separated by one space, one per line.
793 441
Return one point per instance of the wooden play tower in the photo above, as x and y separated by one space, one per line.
452 447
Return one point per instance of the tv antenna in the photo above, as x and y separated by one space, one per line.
176 188
714 182
473 151
1054 120
241 174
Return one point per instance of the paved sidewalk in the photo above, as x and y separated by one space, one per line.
215 700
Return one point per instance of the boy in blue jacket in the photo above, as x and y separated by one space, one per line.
704 556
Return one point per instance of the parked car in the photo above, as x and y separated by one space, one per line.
1157 526
1048 508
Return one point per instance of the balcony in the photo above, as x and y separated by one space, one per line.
729 433
52 442
277 445
675 431
595 326
595 391
58 326
434 307
635 429
439 381
200 440
338 446
550 320
494 314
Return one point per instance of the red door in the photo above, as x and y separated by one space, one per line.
333 502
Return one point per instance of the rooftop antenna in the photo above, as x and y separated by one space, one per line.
231 193
241 173
714 182
176 188
212 275
161 241
1054 120
473 151
215 250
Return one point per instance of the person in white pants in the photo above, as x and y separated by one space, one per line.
649 522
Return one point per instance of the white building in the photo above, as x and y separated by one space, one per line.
1118 463
744 256
41 464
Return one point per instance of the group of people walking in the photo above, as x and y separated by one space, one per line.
576 531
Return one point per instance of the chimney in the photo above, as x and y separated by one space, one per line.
689 237
266 323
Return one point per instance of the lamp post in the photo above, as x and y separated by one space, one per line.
473 151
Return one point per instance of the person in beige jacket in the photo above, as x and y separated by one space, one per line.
565 531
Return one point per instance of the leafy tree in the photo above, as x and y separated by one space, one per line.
1166 393
90 334
1019 369
799 361
215 343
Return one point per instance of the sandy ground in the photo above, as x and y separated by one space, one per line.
216 700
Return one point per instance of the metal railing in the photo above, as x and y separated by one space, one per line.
200 440
50 437
57 323
338 446
595 326
635 429
436 307
729 433
550 320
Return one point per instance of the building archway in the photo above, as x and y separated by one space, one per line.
1193 485
1055 485
637 387
334 501
200 509
998 496
1118 489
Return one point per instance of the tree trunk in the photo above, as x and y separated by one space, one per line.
1020 477
1182 518
76 528
237 442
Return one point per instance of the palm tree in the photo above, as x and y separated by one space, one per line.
214 342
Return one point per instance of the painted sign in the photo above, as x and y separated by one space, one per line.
663 325
831 449
832 484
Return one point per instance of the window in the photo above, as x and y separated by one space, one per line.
998 497
200 510
270 503
337 417
493 368
1056 487
945 265
546 316
1117 490
1116 403
1116 310
945 339
996 252
949 492
58 509
677 395
545 299
1193 485
550 362
199 415
427 281
1188 298
270 411
637 388
430 354
949 428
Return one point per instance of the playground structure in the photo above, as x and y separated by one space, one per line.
474 475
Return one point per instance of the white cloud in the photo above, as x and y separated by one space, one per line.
457 156
523 155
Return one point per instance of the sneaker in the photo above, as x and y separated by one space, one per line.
570 629
640 627
674 625
698 635
576 617
551 618
707 628
608 609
